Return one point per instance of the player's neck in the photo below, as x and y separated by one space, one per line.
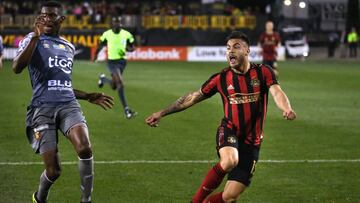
116 31
242 69
269 32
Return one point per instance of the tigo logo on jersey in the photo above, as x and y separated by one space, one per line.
64 64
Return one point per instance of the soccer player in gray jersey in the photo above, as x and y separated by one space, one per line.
53 107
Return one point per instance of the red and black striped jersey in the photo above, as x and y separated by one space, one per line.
269 42
244 97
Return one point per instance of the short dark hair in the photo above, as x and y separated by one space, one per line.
238 35
51 4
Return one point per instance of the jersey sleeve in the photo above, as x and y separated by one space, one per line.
269 76
130 38
103 37
209 88
24 42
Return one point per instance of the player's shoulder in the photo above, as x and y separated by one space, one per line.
26 39
259 66
222 71
65 41
29 35
124 30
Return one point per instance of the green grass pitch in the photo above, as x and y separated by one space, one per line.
325 95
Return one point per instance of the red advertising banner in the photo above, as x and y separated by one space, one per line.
161 53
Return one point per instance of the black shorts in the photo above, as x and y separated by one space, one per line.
248 155
116 66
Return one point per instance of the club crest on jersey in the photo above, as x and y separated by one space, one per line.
59 46
46 45
255 82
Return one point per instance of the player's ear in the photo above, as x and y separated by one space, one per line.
62 18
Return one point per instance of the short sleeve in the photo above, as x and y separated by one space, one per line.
103 37
24 42
269 75
130 38
209 88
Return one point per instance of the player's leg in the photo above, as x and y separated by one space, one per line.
73 125
240 177
79 137
111 65
50 174
230 194
119 82
102 80
227 145
42 135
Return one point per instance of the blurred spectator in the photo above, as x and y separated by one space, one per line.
332 43
17 40
353 40
343 44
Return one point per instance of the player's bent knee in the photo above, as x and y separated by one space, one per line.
228 163
53 173
84 151
230 196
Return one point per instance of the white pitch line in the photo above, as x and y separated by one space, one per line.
23 163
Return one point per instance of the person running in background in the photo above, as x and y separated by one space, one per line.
118 42
353 40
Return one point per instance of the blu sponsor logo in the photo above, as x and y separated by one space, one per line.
59 85
65 64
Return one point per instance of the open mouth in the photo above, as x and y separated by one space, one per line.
232 59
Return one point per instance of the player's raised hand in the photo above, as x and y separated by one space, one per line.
101 99
153 120
289 115
39 25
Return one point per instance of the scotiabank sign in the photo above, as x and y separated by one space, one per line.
158 54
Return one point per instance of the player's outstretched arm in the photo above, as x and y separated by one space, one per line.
282 102
181 104
24 57
101 99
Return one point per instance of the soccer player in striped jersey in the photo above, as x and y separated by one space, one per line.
54 107
269 42
244 88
